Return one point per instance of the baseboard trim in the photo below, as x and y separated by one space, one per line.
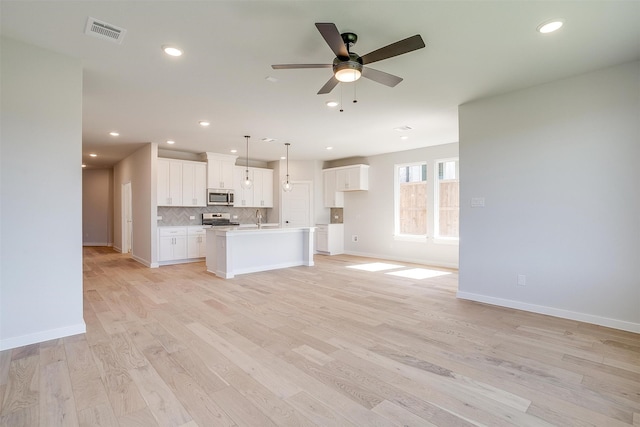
551 311
142 261
52 334
96 244
402 259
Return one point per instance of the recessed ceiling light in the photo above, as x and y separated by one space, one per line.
550 26
170 142
332 104
234 151
171 50
329 148
114 134
84 166
283 157
93 155
204 123
404 137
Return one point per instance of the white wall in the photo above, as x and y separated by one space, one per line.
558 166
40 184
370 214
140 170
97 207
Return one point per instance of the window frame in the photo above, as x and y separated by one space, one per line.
436 202
396 204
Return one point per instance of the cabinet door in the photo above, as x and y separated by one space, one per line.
193 247
169 188
263 188
242 198
196 246
188 184
226 174
200 185
180 247
322 241
194 181
165 248
163 195
221 174
332 198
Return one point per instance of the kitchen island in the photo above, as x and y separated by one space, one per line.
238 250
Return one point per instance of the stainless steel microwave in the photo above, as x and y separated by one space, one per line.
217 197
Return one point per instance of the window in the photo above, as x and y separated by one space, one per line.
447 200
411 199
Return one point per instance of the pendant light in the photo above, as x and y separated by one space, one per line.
247 183
286 185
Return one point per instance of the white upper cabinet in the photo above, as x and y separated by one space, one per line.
339 180
260 195
169 189
352 178
263 188
194 184
220 171
181 183
242 198
332 198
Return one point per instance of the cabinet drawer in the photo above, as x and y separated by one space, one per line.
172 231
196 231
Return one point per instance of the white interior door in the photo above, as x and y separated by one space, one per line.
127 218
297 205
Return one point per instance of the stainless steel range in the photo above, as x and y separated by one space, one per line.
218 219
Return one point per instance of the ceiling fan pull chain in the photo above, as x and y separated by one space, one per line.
341 110
355 98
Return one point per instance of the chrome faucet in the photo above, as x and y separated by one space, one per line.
258 218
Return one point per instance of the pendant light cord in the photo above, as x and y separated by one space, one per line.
247 164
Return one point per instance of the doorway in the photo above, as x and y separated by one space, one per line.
297 205
127 219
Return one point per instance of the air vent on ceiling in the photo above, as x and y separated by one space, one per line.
104 31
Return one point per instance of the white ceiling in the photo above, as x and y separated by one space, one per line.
473 49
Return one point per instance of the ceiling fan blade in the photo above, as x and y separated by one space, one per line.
328 86
333 38
394 49
381 77
293 66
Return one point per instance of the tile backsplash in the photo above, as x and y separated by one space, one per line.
336 216
180 215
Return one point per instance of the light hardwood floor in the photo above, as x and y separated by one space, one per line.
313 346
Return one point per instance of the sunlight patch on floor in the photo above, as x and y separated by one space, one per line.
375 266
418 273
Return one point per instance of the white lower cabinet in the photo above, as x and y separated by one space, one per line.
172 243
196 242
181 244
330 238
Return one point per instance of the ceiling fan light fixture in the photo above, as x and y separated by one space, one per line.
348 71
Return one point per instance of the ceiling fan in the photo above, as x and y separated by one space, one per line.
349 66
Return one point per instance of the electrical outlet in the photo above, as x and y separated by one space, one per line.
522 280
192 217
354 238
